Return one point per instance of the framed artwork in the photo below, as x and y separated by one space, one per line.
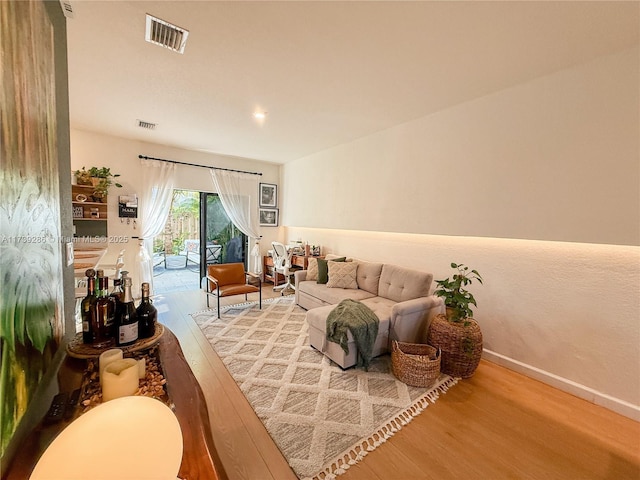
268 217
268 195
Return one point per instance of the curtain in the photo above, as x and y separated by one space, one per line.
155 203
238 194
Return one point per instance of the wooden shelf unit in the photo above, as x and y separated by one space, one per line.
88 211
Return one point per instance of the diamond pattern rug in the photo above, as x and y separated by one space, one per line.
323 419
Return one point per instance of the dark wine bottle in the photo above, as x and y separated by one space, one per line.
126 318
85 307
147 314
116 293
102 314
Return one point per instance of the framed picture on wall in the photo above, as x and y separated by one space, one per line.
268 217
268 195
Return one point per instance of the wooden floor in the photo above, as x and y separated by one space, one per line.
497 425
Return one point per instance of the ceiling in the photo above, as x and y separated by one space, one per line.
326 72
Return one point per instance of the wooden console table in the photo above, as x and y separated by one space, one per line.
199 458
300 261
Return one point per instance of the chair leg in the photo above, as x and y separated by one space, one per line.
218 297
260 293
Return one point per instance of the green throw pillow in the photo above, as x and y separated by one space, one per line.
323 268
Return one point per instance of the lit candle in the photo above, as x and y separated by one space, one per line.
107 357
120 379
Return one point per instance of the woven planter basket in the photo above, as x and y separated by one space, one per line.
415 364
461 345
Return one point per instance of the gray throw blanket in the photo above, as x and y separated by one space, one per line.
363 324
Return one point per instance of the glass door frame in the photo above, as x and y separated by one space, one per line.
203 237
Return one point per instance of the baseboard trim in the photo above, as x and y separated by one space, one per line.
615 404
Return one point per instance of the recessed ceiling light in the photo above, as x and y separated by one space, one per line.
260 115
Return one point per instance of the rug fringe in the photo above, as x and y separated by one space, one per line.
357 453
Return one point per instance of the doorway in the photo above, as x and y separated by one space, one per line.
197 233
220 240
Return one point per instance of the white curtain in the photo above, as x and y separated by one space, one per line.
238 194
155 203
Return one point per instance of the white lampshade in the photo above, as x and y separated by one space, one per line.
127 438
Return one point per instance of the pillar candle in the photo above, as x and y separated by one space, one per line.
106 358
142 368
120 379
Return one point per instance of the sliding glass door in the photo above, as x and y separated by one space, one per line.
220 239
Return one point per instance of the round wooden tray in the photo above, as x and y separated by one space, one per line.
77 349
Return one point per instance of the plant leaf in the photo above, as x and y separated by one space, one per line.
38 325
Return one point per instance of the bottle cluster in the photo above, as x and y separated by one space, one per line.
110 318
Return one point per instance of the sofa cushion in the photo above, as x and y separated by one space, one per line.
381 306
400 284
323 268
342 275
312 269
368 276
331 295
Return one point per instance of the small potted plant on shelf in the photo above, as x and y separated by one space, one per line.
457 334
102 175
83 177
101 178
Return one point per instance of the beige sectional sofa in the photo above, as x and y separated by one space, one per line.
400 298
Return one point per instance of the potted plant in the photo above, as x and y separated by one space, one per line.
103 175
101 189
101 178
457 334
83 177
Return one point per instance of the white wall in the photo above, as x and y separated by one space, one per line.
121 155
553 159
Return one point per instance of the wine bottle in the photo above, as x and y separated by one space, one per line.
147 314
116 293
102 314
126 319
85 307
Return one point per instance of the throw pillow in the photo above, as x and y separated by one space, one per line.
342 275
323 269
312 269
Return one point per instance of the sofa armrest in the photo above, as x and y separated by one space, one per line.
299 276
410 319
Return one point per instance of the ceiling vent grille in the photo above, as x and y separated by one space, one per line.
165 34
147 125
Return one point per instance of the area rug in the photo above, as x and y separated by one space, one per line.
322 418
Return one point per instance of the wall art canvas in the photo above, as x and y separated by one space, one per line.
268 195
31 310
268 217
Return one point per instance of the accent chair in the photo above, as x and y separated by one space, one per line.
226 279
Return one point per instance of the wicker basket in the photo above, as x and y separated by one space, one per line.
415 364
461 345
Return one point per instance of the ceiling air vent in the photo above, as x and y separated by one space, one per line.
165 34
147 125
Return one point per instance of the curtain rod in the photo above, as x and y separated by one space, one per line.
144 157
